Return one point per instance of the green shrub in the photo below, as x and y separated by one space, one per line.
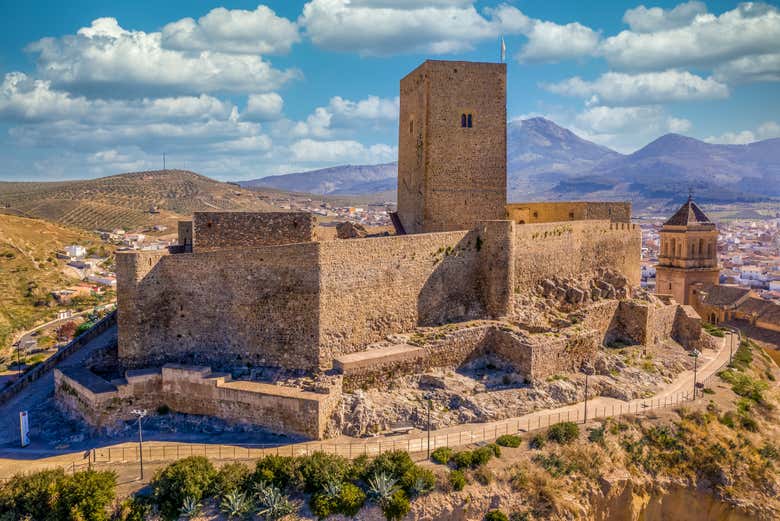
50 495
596 435
563 433
351 500
87 495
537 441
232 477
481 456
324 505
396 507
496 515
509 440
318 469
495 448
418 481
280 471
554 464
136 508
442 455
745 386
728 419
457 480
187 478
463 459
395 464
358 469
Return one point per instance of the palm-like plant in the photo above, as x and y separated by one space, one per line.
381 487
332 489
190 508
421 487
234 504
272 504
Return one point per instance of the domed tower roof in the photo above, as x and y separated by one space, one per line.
689 214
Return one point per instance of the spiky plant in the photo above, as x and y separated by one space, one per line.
234 504
271 503
381 487
420 487
190 508
332 489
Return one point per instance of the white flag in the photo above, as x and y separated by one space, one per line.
503 50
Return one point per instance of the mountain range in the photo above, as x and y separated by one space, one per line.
548 162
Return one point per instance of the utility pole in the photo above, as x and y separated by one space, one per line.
429 428
586 368
140 413
695 354
163 160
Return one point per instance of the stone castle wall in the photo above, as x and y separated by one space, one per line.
194 390
235 230
546 212
301 305
254 306
570 249
451 176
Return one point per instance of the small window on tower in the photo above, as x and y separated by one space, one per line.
469 120
463 120
411 126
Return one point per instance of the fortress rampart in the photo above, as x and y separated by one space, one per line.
230 230
300 305
559 211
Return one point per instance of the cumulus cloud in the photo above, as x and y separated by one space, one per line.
233 31
767 130
348 151
382 27
708 40
107 60
750 69
341 116
648 20
615 88
264 107
548 41
371 108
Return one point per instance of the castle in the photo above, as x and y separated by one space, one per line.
259 290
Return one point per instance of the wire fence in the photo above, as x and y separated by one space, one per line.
418 444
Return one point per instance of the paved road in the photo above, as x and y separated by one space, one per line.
42 389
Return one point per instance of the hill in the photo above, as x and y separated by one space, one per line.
125 200
29 270
548 162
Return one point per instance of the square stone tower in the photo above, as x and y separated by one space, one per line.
452 146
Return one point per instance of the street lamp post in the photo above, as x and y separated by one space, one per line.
695 354
140 413
586 368
429 428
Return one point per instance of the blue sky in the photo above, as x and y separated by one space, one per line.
241 90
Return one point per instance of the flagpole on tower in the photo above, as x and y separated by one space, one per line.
503 50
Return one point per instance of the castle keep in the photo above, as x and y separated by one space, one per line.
261 290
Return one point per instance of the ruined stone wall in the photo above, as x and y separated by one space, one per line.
451 176
195 390
373 287
185 235
570 249
547 212
551 355
255 306
236 230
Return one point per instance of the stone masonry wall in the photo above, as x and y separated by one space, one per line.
195 390
236 230
547 212
570 249
254 306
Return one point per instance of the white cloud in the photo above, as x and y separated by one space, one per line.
615 88
708 40
24 99
548 41
372 108
767 130
749 69
648 20
384 27
233 31
109 61
264 107
342 116
347 151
